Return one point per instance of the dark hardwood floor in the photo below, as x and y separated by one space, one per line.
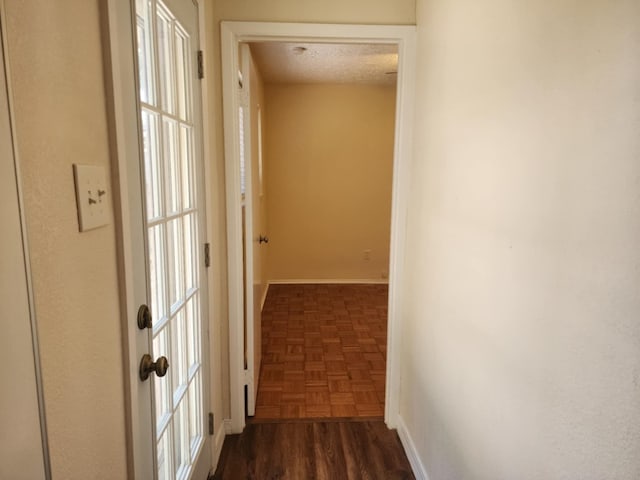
307 450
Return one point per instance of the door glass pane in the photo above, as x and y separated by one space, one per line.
152 166
172 165
181 439
157 272
165 470
190 250
182 73
166 61
186 154
192 319
162 385
179 352
176 262
144 35
196 427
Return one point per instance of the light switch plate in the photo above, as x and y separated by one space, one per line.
92 196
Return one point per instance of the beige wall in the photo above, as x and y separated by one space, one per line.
329 167
333 11
521 354
56 70
400 12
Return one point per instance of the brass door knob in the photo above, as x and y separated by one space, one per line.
144 317
147 365
263 239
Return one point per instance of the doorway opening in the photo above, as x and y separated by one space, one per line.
398 41
322 195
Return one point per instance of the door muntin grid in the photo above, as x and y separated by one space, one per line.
172 236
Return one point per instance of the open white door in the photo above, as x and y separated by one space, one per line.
23 452
158 125
247 118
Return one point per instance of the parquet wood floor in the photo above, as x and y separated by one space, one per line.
323 352
306 450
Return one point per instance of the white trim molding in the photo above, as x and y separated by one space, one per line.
227 426
410 449
218 441
234 33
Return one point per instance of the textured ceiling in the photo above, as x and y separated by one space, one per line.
281 62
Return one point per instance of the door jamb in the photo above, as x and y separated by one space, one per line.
232 33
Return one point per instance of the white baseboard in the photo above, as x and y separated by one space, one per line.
228 429
264 297
410 449
218 441
298 281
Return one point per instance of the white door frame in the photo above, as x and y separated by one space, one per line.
122 106
232 34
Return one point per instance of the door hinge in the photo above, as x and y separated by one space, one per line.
200 65
207 255
210 423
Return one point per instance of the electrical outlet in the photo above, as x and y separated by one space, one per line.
91 196
367 255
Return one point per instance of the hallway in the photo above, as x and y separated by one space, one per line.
314 450
324 352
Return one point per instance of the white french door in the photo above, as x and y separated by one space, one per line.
172 224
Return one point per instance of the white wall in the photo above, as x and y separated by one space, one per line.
522 340
55 56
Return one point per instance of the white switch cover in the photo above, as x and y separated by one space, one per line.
91 196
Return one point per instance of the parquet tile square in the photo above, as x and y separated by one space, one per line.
266 398
336 386
343 398
292 411
324 352
316 411
367 397
315 376
317 398
370 410
344 411
271 411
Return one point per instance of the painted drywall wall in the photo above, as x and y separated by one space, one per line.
400 12
56 71
329 164
22 456
521 352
